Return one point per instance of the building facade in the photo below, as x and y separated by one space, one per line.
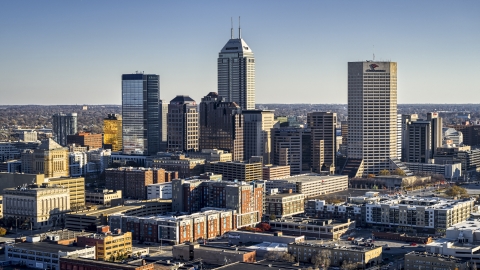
236 73
112 132
36 208
221 125
132 181
323 127
235 170
86 139
182 125
108 244
283 205
76 188
64 125
140 113
292 147
310 185
257 134
159 191
372 114
50 159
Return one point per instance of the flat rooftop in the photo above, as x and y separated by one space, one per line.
283 195
47 247
309 177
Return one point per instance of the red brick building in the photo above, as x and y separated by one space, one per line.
86 139
133 181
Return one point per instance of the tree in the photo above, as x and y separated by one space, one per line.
371 176
348 265
273 217
399 171
384 172
322 258
3 231
264 226
455 191
279 256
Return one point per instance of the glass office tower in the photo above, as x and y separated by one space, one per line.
140 112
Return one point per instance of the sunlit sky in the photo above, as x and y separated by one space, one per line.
74 52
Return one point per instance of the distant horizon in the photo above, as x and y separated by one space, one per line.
3 105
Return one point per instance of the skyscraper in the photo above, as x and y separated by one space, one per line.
64 125
163 125
372 114
323 128
236 73
182 124
257 134
221 125
419 141
112 132
140 112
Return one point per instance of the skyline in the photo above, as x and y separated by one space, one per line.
86 47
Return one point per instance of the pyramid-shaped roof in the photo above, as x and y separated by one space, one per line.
49 144
236 45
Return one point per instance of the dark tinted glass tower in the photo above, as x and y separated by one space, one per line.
221 125
64 125
140 112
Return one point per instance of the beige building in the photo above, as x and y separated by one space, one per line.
11 180
364 257
186 167
76 186
310 184
108 244
104 197
36 207
212 155
284 204
236 170
257 134
431 261
274 171
50 159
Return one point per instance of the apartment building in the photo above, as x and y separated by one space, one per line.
318 228
431 261
177 229
283 205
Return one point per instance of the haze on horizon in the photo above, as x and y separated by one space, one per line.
62 52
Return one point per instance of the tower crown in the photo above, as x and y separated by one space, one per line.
236 45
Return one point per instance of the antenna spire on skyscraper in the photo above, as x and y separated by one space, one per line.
231 28
239 29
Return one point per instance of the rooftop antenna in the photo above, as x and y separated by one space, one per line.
231 28
239 29
373 52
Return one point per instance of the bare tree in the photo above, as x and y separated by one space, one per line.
322 258
279 256
348 265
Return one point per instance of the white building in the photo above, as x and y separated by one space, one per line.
38 207
77 162
449 171
236 73
372 114
159 191
310 184
44 255
454 135
103 197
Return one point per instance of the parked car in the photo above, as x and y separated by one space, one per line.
413 244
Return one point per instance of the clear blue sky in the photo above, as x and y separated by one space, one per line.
74 52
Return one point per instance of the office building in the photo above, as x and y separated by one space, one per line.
318 228
49 158
470 159
437 125
140 113
257 134
245 198
236 170
44 255
270 172
454 135
236 73
361 256
163 125
104 197
36 207
406 120
207 224
221 125
419 147
107 243
76 188
323 127
131 181
212 155
449 171
372 114
310 184
25 135
12 180
471 133
112 132
182 166
182 125
64 125
292 147
209 254
86 139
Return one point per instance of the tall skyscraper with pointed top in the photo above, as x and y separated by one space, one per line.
236 72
